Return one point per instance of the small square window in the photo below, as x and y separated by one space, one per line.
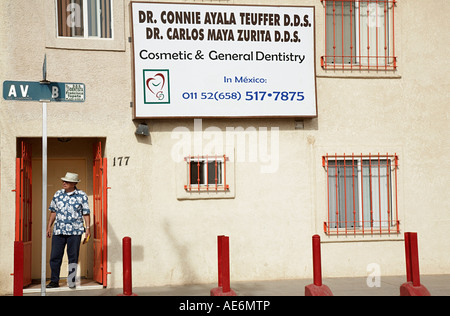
206 173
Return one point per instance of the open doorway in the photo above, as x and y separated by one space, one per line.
64 154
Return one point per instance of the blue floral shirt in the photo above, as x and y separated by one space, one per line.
69 209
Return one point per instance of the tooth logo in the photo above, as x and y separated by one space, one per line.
156 86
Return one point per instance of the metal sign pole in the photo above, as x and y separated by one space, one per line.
44 81
44 199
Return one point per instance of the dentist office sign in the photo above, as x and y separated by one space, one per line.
196 60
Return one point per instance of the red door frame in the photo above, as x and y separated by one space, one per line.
23 213
23 191
100 207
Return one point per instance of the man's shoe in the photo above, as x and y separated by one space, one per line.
52 285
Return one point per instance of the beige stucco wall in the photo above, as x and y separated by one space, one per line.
270 216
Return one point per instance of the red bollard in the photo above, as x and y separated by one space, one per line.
223 254
408 257
317 289
127 275
317 261
412 287
18 268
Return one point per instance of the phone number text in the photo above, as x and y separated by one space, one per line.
294 96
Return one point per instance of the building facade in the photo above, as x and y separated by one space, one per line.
360 164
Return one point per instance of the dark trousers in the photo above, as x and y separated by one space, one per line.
59 242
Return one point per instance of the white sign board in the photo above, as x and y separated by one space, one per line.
74 92
196 60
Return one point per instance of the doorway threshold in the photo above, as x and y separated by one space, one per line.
85 284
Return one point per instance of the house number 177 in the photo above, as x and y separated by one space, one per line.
120 161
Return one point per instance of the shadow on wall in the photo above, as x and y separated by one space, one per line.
188 275
183 269
115 255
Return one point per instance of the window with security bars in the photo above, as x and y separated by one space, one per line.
84 18
206 173
359 34
362 194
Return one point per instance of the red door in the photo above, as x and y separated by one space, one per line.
23 207
100 216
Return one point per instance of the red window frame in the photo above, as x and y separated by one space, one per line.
200 166
350 29
362 194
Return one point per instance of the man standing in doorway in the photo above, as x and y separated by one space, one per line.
68 208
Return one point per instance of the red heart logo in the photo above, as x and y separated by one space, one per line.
154 84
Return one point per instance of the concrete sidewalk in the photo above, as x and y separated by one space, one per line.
437 285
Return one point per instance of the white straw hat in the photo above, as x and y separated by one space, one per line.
71 177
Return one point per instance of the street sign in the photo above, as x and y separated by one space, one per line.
35 91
